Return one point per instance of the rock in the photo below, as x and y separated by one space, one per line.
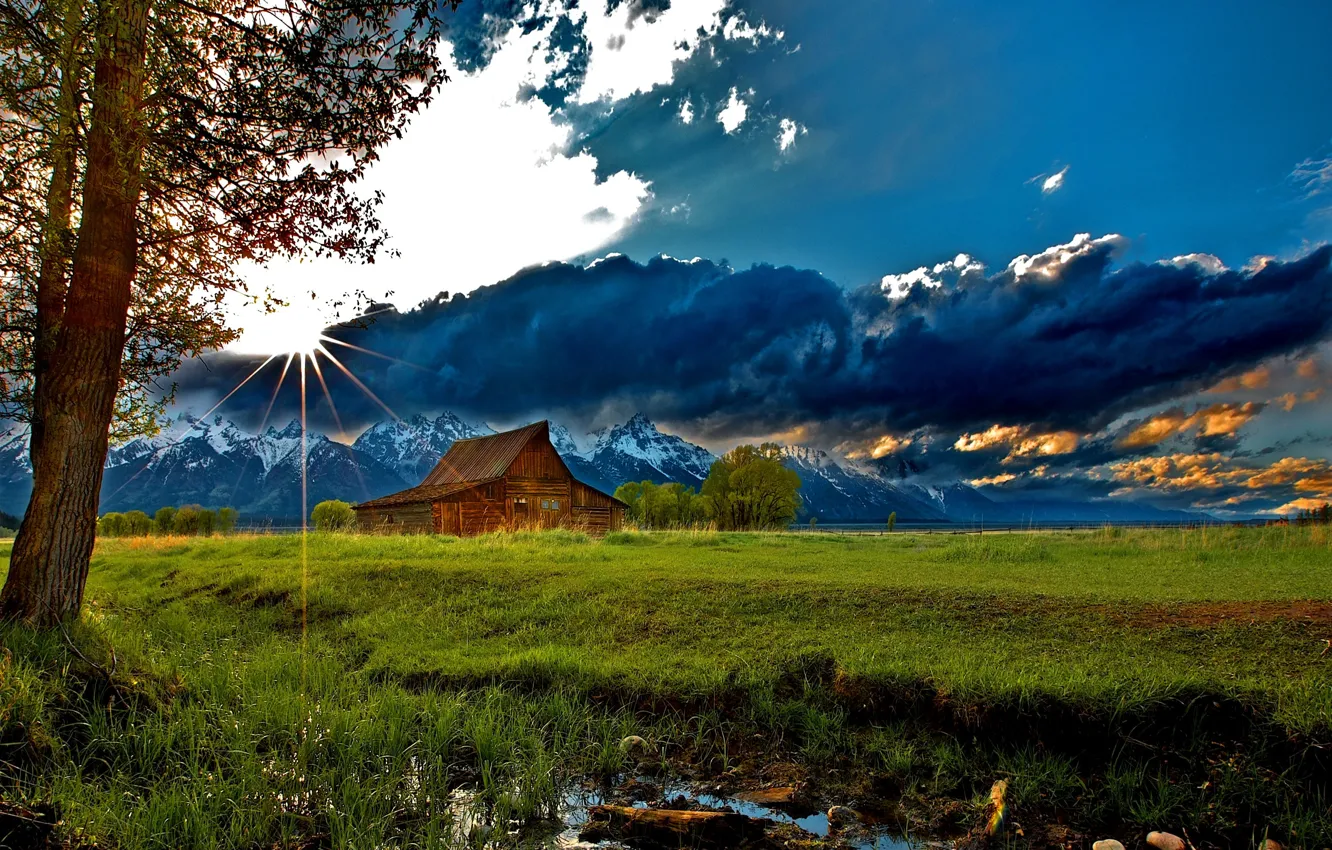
1165 841
1107 844
633 744
840 816
998 808
1269 844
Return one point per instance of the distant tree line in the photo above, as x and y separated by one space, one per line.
747 488
187 519
1315 516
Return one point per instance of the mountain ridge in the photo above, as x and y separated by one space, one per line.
216 462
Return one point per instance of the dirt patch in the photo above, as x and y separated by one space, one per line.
1207 614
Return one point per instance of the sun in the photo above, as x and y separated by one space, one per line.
294 329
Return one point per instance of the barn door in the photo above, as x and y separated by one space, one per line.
550 512
446 518
521 517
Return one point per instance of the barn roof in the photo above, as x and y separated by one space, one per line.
421 493
482 458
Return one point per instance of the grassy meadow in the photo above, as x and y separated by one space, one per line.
358 691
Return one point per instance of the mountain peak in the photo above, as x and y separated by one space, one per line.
290 431
640 422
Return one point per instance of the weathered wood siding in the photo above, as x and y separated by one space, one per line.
538 476
594 511
538 459
411 519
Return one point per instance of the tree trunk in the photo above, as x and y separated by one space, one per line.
52 275
75 402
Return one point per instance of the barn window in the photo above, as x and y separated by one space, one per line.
554 504
545 504
520 500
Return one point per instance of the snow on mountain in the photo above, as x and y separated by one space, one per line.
412 447
564 442
637 451
847 493
216 463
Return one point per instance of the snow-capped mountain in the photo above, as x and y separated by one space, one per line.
216 463
412 447
836 493
564 442
637 451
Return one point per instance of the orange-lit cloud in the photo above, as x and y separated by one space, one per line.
1289 400
1254 379
1218 420
1308 369
876 448
1001 478
1020 440
1173 472
1213 471
1300 505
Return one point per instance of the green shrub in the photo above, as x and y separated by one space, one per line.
138 524
6 533
194 519
165 520
112 524
226 519
333 515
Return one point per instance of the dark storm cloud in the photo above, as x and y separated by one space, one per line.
760 350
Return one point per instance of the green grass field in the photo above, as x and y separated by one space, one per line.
269 691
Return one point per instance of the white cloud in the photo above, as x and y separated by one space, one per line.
786 134
465 208
1209 262
485 181
899 285
734 113
948 272
686 111
1054 182
647 49
737 28
961 264
1314 176
1052 260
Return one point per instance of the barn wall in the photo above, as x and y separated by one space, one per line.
413 519
481 516
538 459
538 475
591 497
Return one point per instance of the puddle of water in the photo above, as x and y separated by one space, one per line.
579 800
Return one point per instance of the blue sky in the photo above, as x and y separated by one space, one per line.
1180 125
1048 248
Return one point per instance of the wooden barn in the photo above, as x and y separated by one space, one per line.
512 480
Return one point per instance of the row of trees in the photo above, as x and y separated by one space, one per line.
1315 516
330 515
187 519
747 488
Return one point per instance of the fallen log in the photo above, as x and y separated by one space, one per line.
674 828
783 796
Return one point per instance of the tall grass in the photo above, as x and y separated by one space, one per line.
435 692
